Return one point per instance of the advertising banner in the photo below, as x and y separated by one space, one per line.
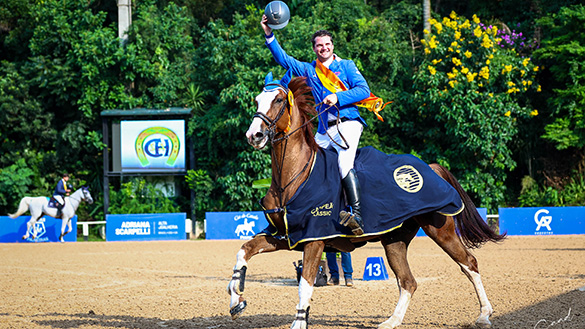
543 220
145 227
48 229
482 212
234 225
157 145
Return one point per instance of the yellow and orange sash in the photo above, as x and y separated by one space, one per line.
332 83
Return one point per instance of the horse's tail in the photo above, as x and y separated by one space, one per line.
472 229
22 207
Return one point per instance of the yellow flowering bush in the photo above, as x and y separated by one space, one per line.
475 90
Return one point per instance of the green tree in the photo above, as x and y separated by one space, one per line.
230 64
76 67
236 61
563 53
138 197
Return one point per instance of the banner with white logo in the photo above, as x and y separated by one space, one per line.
145 227
234 225
48 229
543 220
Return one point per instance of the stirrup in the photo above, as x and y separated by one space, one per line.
352 222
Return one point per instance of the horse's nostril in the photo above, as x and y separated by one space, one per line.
259 135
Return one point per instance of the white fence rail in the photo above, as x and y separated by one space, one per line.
85 227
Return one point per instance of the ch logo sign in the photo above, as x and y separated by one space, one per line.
542 221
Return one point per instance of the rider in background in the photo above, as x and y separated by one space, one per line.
340 123
61 190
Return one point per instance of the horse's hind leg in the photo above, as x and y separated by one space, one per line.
259 244
396 246
28 225
31 224
450 242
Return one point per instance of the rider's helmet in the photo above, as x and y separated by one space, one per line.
278 14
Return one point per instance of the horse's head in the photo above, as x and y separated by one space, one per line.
86 195
273 111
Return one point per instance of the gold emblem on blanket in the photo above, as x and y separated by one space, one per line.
408 178
323 210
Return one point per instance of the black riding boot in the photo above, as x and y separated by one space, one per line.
352 189
59 208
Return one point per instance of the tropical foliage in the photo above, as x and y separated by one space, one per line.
494 91
141 197
471 91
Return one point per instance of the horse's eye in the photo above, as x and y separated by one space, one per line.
279 100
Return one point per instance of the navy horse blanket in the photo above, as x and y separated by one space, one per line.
393 189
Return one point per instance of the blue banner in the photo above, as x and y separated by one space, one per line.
542 221
482 212
48 229
234 225
145 227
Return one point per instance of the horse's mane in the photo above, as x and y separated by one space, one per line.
306 105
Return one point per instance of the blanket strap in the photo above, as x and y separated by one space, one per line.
273 211
270 211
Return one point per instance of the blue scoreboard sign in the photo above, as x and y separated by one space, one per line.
542 221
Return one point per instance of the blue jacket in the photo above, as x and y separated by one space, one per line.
346 71
60 189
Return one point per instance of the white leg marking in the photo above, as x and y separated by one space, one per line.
305 293
233 285
240 261
396 319
485 307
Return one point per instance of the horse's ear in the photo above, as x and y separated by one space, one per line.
286 79
268 78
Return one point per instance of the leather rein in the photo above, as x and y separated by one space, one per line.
274 139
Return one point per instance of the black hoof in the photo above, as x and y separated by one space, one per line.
238 309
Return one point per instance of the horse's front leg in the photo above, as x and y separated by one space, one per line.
259 244
65 222
311 259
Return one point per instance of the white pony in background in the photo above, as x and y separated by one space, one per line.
40 205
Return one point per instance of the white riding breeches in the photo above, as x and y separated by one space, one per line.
59 199
351 131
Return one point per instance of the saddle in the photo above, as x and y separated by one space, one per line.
53 203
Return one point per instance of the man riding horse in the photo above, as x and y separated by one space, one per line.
61 190
339 88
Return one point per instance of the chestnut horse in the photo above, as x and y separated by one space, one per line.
284 118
